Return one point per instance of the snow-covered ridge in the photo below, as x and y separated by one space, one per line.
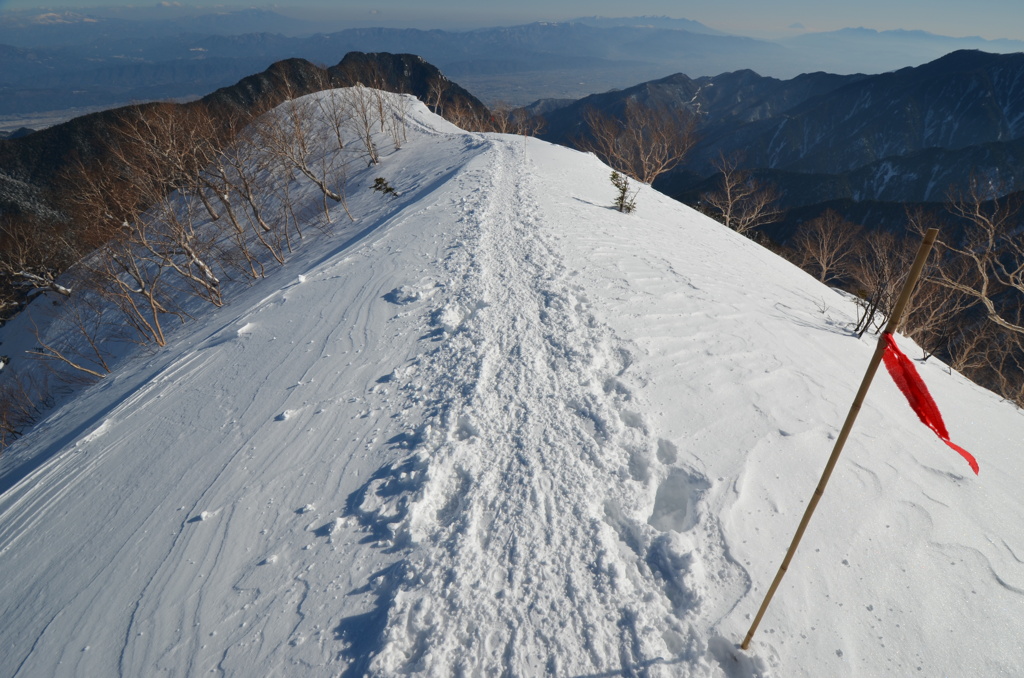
497 427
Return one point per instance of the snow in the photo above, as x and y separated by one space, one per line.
498 427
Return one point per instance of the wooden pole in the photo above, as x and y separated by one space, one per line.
876 359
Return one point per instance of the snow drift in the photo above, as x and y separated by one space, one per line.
496 427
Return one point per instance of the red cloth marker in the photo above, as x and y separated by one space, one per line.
909 382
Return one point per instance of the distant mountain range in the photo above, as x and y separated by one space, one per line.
60 60
900 137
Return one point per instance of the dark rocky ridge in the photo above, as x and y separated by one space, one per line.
31 166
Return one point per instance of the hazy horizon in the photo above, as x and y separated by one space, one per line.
982 18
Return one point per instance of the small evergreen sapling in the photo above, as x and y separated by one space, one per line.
624 201
381 184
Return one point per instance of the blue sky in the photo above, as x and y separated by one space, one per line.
985 18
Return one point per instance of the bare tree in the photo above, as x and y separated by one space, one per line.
501 120
527 124
1006 361
167 146
136 283
938 320
287 136
335 112
33 255
87 324
876 268
461 114
172 234
941 320
992 247
137 286
281 189
980 269
162 151
291 137
234 179
382 101
437 90
742 202
508 119
645 142
398 120
362 104
969 346
826 245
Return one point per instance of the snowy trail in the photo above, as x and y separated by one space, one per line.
498 428
518 566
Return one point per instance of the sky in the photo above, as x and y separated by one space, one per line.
984 18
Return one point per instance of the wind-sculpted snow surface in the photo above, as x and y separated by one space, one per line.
498 428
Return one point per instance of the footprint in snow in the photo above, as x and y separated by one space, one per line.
409 294
382 504
403 295
675 501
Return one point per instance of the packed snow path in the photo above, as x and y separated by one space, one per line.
521 567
